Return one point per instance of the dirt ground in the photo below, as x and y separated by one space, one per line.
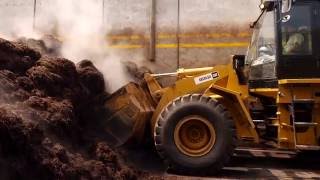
51 117
256 164
246 163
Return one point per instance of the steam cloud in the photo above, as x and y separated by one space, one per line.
80 26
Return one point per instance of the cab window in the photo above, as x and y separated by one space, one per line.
296 31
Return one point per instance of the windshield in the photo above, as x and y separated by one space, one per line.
262 52
263 38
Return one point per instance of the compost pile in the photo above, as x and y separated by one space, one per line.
50 118
47 44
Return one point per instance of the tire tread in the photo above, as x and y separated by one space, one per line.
193 98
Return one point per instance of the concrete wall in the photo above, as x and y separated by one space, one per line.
210 30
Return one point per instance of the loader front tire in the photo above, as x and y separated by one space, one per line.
195 134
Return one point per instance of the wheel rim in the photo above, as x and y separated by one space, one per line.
194 136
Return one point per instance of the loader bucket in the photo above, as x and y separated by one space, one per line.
130 109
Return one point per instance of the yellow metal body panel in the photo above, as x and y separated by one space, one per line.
299 81
267 92
186 85
234 103
225 88
307 138
291 90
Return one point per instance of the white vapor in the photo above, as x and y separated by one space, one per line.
79 24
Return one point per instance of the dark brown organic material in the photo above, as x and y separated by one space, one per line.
49 119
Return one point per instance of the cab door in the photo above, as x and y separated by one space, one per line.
298 44
317 32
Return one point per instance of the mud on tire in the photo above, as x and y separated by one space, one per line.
212 114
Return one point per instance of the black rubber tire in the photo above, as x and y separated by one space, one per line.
209 109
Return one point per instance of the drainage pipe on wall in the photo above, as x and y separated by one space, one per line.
103 9
152 48
34 14
178 34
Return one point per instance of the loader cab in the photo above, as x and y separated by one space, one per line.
285 43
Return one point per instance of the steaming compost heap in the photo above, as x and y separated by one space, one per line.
50 118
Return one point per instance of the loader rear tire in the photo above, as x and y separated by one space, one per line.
195 134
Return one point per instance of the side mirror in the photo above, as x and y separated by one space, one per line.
238 61
238 65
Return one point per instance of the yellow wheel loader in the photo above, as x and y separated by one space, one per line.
270 96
